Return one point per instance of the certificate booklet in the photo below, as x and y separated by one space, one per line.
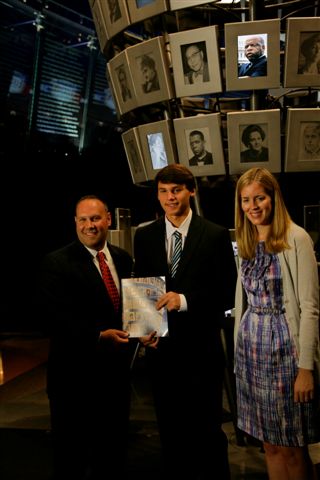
140 316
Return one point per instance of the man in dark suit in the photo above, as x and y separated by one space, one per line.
187 366
88 376
197 145
255 52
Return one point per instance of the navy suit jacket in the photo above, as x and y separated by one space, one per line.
254 69
75 307
206 275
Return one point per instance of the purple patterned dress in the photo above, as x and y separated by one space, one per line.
266 361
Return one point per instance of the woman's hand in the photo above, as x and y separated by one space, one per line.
304 386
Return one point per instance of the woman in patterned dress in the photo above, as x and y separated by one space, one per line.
277 353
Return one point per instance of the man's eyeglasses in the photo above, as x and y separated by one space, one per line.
252 45
193 55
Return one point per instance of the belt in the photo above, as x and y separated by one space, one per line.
266 310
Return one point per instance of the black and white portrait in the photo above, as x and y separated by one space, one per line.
126 93
310 141
195 64
150 80
309 58
199 146
253 139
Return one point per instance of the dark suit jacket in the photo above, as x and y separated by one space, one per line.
208 160
254 69
75 307
206 276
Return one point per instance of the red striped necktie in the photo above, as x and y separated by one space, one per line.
108 280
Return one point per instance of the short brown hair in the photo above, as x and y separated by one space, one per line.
176 173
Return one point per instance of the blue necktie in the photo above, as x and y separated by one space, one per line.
176 252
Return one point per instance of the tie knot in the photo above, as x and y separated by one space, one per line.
101 256
177 235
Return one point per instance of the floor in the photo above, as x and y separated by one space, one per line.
24 420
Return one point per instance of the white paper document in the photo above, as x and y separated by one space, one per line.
140 316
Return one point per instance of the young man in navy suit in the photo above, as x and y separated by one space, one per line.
88 377
187 366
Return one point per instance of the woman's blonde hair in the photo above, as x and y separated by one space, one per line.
246 232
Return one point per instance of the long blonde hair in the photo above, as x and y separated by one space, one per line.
246 232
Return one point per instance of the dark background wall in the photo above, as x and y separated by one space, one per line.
44 173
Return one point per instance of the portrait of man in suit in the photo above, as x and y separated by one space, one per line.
197 260
201 156
254 50
195 63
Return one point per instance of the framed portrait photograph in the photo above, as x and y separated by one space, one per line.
142 9
195 61
252 55
254 140
179 4
115 15
302 140
199 144
150 72
302 52
122 84
100 26
132 147
157 145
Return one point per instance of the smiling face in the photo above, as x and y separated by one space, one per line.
256 204
92 223
175 201
194 58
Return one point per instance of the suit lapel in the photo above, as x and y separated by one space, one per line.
160 246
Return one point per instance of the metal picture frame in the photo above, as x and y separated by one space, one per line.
122 82
157 145
132 147
234 35
140 10
302 153
202 43
301 68
259 130
143 58
206 130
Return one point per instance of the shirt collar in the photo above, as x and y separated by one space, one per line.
183 228
105 250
